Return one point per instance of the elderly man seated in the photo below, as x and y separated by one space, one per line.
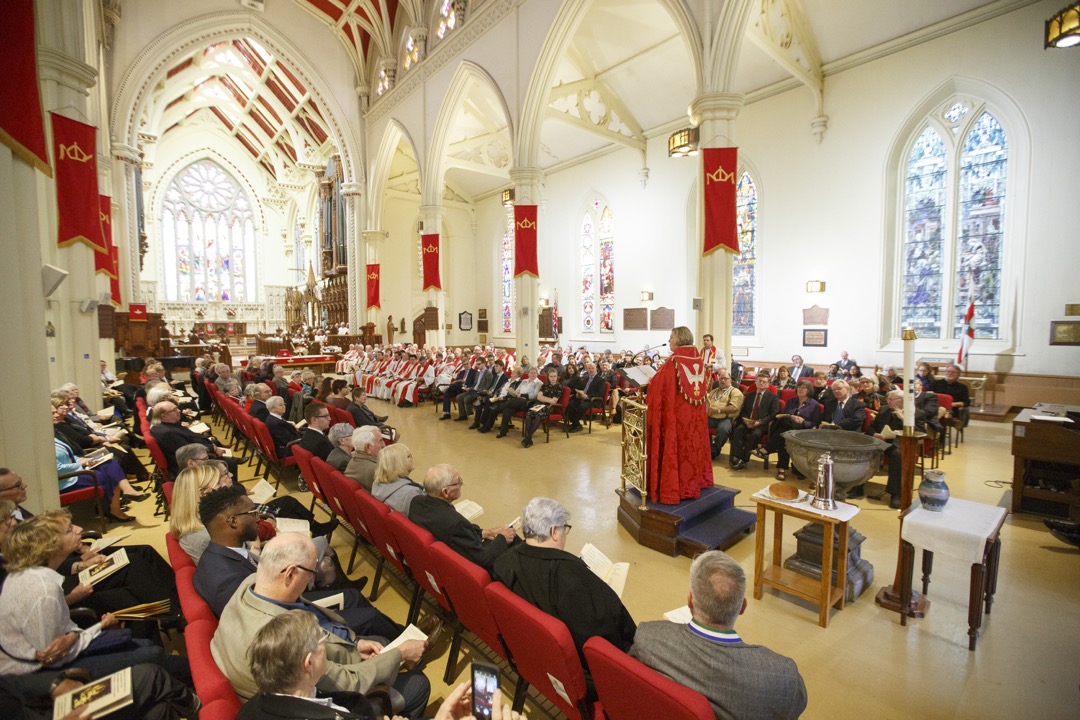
961 397
340 436
435 512
738 679
562 585
171 435
353 664
367 443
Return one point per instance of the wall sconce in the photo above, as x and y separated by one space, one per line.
1063 29
508 196
543 302
646 296
683 143
815 286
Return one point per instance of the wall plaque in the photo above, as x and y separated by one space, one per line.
815 316
635 318
662 318
815 338
1065 332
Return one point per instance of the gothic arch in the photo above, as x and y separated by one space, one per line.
467 77
393 135
563 29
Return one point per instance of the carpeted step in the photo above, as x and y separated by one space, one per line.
719 530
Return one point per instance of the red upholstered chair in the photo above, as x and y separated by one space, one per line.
414 542
337 415
786 395
628 689
342 494
276 466
158 456
219 701
192 605
167 491
93 492
543 652
178 557
303 460
947 421
598 406
374 513
464 583
557 414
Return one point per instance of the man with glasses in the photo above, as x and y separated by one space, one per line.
562 585
314 439
353 664
172 436
435 512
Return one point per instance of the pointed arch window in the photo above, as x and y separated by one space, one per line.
208 237
411 55
506 273
744 267
448 19
598 269
954 210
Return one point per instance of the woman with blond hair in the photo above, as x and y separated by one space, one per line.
184 524
34 613
392 483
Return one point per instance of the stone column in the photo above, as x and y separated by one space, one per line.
65 81
353 194
714 114
431 216
526 181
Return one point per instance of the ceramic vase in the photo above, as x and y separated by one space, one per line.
933 492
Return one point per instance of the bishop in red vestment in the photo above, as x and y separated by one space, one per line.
677 424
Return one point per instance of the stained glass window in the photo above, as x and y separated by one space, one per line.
384 83
924 208
954 200
598 269
412 54
447 20
979 247
208 237
744 268
506 276
299 255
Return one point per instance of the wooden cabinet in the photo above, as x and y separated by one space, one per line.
1046 462
139 339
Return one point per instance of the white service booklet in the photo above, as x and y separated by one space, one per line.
292 525
679 616
262 492
199 427
410 633
97 573
96 698
614 574
469 508
106 542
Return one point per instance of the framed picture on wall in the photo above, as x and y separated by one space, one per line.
815 338
464 320
483 338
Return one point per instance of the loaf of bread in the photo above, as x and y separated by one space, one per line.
784 491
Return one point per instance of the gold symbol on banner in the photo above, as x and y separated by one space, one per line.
104 218
695 373
373 276
720 176
74 152
526 224
430 249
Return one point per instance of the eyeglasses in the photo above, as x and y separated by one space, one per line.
298 567
252 511
20 484
566 529
459 483
324 637
320 417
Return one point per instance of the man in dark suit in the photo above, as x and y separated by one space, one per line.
892 417
926 408
172 436
588 387
501 379
758 410
845 363
465 377
843 410
706 655
799 371
231 519
281 430
258 405
314 439
485 381
435 512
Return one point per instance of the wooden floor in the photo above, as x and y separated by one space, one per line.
864 665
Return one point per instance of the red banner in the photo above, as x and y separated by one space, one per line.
429 251
525 241
721 226
74 154
103 258
137 313
21 126
114 279
373 286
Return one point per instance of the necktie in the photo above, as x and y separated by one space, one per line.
588 383
757 401
839 414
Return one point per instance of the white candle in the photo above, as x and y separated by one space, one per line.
909 380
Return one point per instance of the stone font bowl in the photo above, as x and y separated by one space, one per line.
856 457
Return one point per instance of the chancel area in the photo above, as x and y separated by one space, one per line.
378 206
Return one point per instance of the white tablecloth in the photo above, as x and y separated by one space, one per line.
842 513
960 530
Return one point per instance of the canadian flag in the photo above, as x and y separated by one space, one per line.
967 336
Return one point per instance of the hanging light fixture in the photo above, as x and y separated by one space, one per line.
683 143
1063 29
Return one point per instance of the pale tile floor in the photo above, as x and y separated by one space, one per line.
864 665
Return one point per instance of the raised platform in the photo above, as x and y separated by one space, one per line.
991 413
693 526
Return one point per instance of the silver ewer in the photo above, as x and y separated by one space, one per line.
823 493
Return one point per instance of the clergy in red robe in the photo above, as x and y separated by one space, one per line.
677 424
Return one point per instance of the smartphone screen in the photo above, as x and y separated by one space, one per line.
485 680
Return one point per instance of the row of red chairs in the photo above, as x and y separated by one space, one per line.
536 646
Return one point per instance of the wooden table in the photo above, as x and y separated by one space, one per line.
822 592
964 529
